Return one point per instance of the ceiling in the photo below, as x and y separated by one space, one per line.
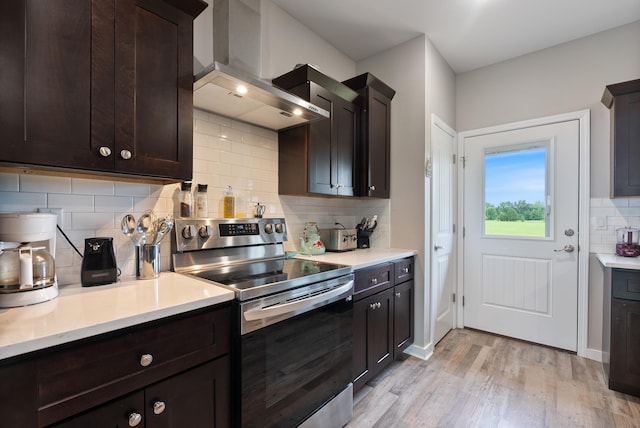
468 33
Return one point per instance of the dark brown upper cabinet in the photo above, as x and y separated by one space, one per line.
623 99
319 158
98 86
373 170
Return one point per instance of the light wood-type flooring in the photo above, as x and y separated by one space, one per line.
476 379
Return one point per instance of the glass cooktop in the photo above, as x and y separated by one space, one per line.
260 278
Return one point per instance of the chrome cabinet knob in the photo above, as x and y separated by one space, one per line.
405 270
135 419
398 295
372 188
158 407
146 360
105 151
374 281
125 154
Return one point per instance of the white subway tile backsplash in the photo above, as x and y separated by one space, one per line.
22 202
92 221
44 184
9 182
113 204
81 186
231 134
207 128
132 189
71 203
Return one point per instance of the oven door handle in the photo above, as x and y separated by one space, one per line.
309 303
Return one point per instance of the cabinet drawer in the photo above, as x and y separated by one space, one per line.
625 284
372 280
90 373
403 270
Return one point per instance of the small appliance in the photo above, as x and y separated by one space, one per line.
339 239
627 242
99 262
27 266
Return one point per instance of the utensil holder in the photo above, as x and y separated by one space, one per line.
148 262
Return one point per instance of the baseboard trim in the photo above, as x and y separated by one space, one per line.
594 354
424 353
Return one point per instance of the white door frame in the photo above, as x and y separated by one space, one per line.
583 116
436 121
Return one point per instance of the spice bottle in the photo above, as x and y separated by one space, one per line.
186 200
229 203
202 204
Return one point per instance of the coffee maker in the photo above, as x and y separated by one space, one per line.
27 265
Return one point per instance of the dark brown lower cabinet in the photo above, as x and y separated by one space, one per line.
196 398
621 330
383 317
373 336
173 372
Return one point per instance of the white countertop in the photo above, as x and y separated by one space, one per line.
361 258
615 261
80 312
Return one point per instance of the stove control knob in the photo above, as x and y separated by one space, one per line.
188 231
268 228
279 228
205 232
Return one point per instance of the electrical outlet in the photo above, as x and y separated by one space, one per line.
57 211
601 223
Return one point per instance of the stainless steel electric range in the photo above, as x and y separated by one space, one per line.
293 321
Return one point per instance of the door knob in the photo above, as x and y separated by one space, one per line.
568 248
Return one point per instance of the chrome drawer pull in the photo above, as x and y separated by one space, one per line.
374 281
405 270
146 359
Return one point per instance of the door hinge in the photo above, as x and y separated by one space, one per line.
454 297
464 231
454 229
462 300
464 161
454 159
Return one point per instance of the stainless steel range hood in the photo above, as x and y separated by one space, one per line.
227 60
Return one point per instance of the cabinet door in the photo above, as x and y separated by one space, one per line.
377 145
373 336
154 91
122 412
57 97
18 395
332 144
625 128
402 317
624 369
199 397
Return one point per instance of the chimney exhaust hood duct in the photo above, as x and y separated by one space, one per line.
227 58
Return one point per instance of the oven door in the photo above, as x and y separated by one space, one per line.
290 369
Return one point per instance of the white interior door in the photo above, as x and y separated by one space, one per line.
521 200
443 214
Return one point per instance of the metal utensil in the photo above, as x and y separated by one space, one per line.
145 227
129 228
164 226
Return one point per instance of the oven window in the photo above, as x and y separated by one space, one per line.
290 369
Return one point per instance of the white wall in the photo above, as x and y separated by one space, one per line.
286 42
564 78
424 83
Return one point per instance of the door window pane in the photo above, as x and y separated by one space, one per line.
515 191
